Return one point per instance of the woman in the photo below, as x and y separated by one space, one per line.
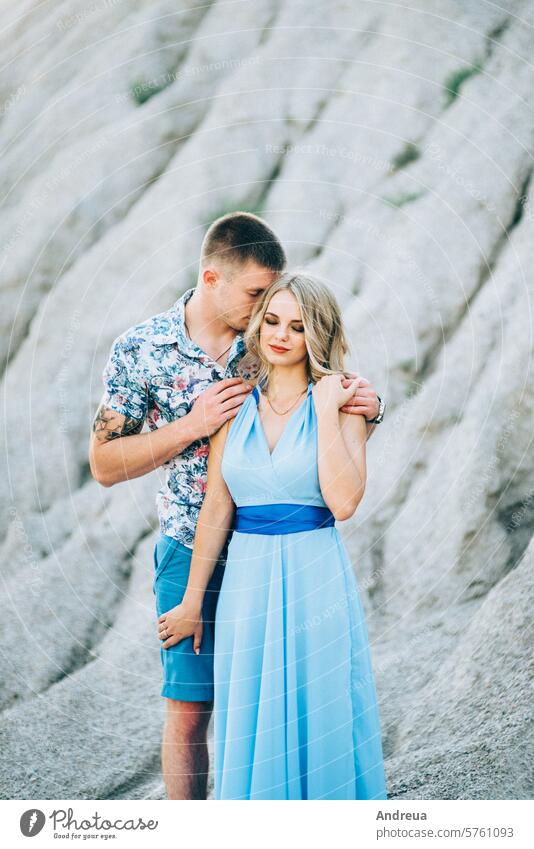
295 709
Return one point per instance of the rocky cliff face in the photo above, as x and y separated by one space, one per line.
390 145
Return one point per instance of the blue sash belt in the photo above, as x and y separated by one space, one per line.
282 518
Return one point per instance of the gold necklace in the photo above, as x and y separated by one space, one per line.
288 409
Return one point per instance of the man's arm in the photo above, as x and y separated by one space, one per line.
370 428
118 451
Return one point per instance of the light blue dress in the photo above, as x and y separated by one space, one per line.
295 710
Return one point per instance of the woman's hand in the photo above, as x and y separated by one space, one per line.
330 394
178 623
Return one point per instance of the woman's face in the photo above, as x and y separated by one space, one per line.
282 338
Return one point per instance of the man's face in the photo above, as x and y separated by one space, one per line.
239 289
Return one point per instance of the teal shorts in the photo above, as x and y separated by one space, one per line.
187 676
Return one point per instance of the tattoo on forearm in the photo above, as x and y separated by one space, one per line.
108 425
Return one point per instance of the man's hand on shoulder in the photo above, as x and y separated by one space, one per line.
218 404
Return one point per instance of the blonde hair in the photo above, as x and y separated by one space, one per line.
324 335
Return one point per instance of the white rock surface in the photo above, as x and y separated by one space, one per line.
391 148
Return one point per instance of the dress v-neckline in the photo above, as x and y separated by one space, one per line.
286 426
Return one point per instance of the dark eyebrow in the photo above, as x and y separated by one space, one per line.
277 316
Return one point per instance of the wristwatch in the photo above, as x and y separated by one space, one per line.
381 407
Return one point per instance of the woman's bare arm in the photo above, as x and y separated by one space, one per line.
341 460
213 526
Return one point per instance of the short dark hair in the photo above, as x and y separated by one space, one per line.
240 236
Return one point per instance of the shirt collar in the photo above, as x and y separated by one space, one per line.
172 331
172 327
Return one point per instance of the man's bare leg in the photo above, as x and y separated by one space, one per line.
184 750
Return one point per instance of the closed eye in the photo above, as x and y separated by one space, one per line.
272 321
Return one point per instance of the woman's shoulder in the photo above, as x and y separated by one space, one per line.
254 390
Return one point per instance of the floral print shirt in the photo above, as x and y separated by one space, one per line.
154 374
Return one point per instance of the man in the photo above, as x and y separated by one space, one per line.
182 371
